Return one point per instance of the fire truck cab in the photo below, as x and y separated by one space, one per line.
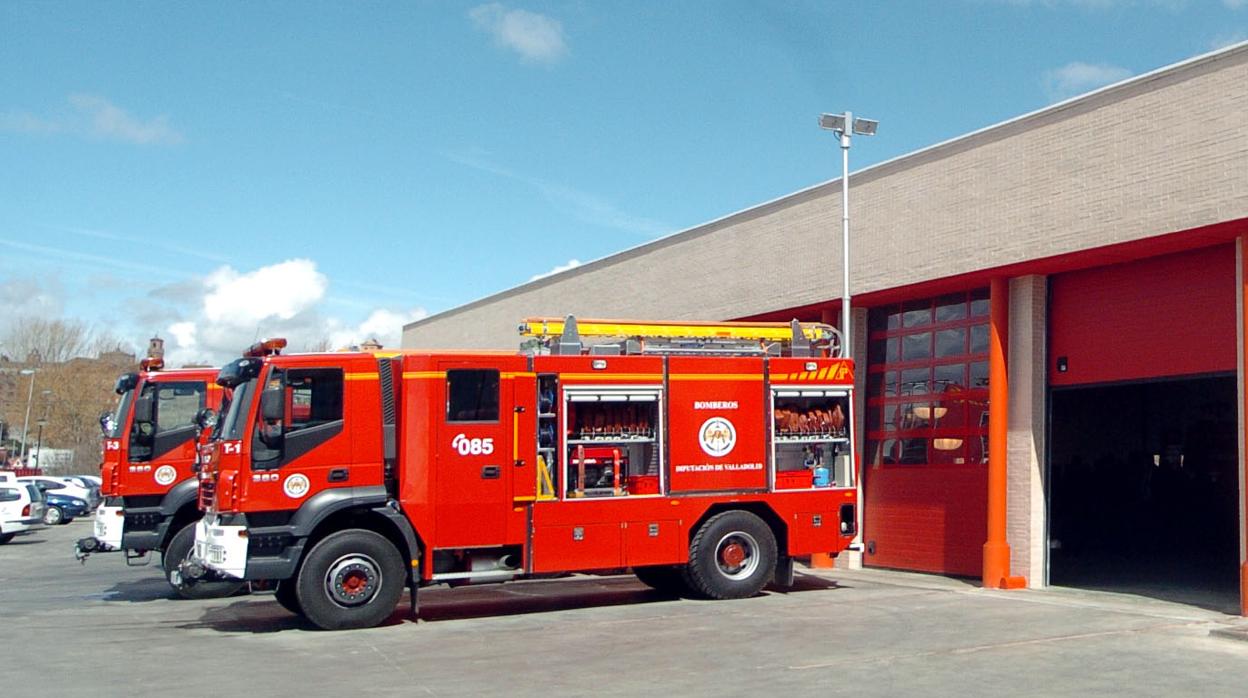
149 445
705 457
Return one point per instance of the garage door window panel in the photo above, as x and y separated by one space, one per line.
933 411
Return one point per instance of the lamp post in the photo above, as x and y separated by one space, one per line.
29 398
42 422
38 454
845 125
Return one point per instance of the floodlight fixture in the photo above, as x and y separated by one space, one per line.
832 122
865 127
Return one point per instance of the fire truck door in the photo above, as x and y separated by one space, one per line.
474 456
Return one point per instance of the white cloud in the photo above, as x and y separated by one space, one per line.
211 320
279 291
572 264
93 116
537 38
41 297
1077 78
385 326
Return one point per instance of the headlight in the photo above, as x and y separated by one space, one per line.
78 502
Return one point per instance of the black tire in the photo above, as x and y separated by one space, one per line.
6 537
668 579
53 515
732 556
351 579
67 521
178 549
287 596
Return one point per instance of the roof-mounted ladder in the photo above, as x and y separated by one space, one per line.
564 337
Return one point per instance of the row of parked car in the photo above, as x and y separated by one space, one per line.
30 500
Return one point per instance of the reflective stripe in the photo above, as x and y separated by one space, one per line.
717 376
423 374
361 376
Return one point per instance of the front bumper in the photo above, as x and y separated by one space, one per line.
221 548
145 528
228 546
110 525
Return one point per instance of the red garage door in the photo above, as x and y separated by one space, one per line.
925 472
1165 316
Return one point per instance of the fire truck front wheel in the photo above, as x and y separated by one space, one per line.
179 549
732 556
351 579
287 597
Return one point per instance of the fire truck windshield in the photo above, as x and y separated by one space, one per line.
112 426
235 420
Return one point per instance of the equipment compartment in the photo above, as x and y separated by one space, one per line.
810 431
611 442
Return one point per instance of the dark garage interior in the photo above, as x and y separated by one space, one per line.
1143 490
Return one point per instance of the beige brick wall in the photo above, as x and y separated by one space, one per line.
1166 152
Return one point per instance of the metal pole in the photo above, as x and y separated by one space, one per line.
26 426
39 445
846 337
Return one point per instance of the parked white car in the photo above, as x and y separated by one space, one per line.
21 507
91 483
64 486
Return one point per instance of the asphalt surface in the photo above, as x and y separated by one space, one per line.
107 629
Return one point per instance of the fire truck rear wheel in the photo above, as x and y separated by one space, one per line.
179 549
351 579
732 556
664 578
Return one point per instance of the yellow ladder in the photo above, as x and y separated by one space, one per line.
547 327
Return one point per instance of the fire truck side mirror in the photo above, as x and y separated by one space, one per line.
206 418
273 405
106 423
143 410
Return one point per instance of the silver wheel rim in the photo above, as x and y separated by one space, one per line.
737 555
353 580
52 516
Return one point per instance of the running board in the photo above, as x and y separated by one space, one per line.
484 574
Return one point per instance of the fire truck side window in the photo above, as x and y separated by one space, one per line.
472 395
177 404
314 397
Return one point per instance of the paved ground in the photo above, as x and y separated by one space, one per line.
106 629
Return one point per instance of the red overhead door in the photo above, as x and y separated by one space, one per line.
1165 316
925 471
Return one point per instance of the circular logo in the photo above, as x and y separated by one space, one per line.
296 485
165 475
717 436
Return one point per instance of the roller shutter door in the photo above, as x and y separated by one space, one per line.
1165 316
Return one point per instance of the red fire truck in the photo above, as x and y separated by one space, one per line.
705 457
149 445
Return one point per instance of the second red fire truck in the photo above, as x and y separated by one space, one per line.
705 457
149 446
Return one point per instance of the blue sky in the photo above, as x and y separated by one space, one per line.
217 171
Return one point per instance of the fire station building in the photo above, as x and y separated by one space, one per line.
1083 264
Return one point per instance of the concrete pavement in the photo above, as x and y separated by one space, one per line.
107 629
